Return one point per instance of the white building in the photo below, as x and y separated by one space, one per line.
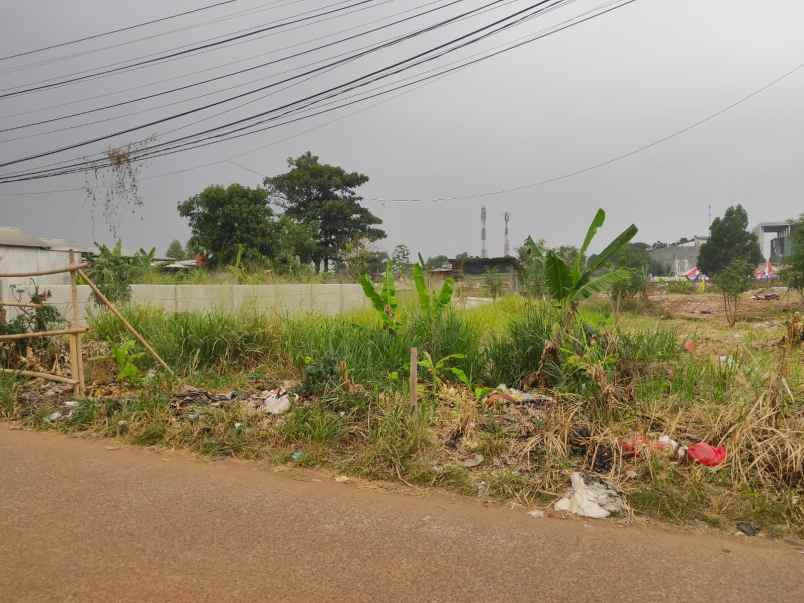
22 252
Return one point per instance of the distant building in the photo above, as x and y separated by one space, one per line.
473 273
678 259
774 239
22 252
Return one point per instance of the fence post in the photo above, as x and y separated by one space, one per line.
76 351
414 376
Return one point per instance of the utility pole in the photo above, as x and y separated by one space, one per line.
483 253
507 249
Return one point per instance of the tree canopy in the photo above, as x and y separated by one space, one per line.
324 195
729 240
175 251
225 219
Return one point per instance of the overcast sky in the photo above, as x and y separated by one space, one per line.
574 99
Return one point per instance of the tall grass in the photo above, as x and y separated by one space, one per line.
192 340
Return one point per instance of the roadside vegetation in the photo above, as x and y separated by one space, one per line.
601 376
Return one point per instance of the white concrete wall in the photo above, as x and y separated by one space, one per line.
29 259
277 299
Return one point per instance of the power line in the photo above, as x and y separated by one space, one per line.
115 31
268 6
562 177
161 58
131 64
195 110
429 28
226 75
213 68
501 191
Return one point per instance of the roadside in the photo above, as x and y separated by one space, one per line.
96 520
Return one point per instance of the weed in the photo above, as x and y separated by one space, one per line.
314 424
8 395
127 371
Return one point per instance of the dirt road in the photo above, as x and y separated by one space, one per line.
91 521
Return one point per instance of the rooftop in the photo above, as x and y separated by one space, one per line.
16 237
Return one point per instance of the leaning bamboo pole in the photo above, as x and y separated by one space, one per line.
125 322
76 351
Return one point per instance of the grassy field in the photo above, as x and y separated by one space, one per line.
669 366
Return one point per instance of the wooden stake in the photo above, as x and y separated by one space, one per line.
47 376
77 361
126 324
414 376
20 305
70 268
16 336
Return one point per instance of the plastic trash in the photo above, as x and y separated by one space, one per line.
637 444
709 456
537 514
590 496
274 401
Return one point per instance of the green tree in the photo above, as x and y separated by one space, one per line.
316 193
295 243
794 272
175 251
436 261
729 240
732 281
225 220
635 260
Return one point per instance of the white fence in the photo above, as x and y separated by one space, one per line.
278 299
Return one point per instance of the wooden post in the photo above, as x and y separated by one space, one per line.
78 361
414 376
126 324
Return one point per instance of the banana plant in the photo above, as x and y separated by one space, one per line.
571 282
432 304
384 301
437 369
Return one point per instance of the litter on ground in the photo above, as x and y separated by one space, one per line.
709 456
590 496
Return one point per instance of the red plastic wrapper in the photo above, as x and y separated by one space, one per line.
707 455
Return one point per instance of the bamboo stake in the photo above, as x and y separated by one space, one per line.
48 376
70 268
126 324
43 334
20 305
414 376
76 360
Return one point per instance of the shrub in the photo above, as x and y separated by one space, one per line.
114 272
